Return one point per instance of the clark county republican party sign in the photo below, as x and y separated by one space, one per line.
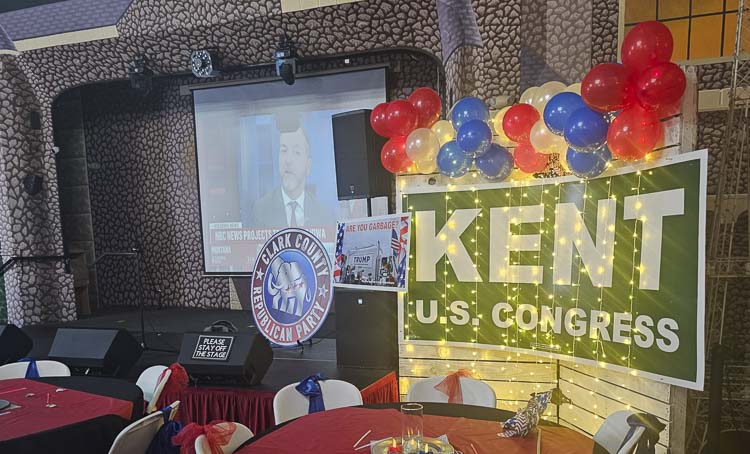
607 271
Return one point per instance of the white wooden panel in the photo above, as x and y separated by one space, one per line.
450 352
634 383
503 390
485 370
638 402
599 405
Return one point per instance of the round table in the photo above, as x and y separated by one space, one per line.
113 403
469 428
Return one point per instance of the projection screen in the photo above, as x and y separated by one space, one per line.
265 161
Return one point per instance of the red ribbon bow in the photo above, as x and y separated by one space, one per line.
451 386
177 380
216 435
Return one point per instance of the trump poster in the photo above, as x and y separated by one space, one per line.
373 253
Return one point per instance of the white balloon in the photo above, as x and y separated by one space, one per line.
497 123
574 88
545 93
545 141
527 97
422 145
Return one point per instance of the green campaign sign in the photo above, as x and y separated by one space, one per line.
607 271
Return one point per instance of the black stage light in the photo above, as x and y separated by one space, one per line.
205 63
286 60
140 75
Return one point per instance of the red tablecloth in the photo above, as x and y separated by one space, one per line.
336 431
34 416
252 407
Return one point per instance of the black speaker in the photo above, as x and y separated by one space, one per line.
359 173
226 358
32 184
14 344
108 352
366 329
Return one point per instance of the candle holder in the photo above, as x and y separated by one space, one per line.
411 427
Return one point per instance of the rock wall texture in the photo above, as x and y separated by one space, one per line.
36 292
145 150
143 181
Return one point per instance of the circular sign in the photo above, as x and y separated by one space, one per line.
291 287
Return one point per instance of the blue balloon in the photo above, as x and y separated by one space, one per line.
588 164
468 109
474 137
496 163
586 130
558 110
452 161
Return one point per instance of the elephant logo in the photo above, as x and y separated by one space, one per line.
291 287
288 287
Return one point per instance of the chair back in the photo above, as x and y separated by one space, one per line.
148 380
46 368
612 433
166 373
473 392
289 403
136 438
241 434
175 408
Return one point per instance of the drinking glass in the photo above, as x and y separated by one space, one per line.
411 427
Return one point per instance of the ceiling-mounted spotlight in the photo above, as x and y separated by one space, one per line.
205 63
140 75
286 60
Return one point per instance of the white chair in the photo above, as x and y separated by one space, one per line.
136 438
151 407
289 403
613 431
241 434
46 368
148 381
473 392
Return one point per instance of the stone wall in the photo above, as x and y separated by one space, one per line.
143 186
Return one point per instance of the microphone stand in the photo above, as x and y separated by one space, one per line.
142 300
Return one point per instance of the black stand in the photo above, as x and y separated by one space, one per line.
142 303
302 345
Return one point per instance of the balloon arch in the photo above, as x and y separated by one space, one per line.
613 113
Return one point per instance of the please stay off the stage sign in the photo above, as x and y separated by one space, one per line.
607 271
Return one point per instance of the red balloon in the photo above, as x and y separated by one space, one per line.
401 118
378 119
608 87
668 110
647 44
660 85
634 133
518 121
528 159
427 103
393 155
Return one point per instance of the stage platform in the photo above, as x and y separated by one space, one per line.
250 405
164 329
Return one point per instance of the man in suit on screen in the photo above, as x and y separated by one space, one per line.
292 204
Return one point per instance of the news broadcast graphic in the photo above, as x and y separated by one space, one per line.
373 253
291 287
266 161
